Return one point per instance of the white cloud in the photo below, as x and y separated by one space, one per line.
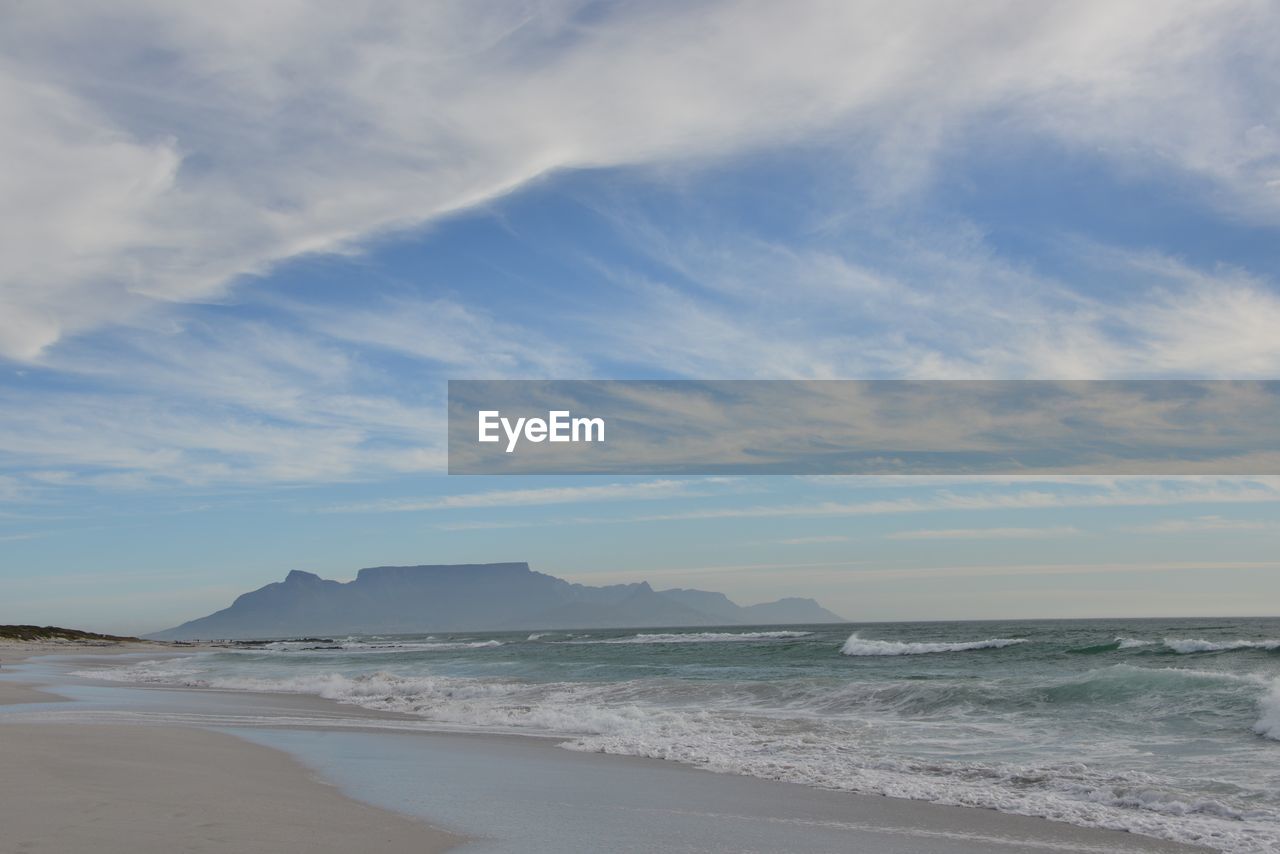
444 333
986 533
1202 524
1125 492
242 406
809 541
855 572
30 535
933 304
165 153
653 489
156 152
1142 492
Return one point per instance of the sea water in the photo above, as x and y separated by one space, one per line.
1164 727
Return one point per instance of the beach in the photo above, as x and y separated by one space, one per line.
109 789
110 768
120 790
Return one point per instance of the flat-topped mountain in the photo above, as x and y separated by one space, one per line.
472 597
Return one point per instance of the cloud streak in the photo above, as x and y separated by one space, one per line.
1125 492
649 490
1055 532
169 157
169 150
1203 525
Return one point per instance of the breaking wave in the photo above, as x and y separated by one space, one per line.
1111 646
702 637
857 646
1268 724
364 646
1190 646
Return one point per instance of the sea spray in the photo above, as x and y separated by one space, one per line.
1268 724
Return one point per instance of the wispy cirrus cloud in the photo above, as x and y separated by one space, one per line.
1203 525
1013 500
1124 493
853 573
446 335
247 401
1054 532
29 535
812 541
930 303
647 490
167 150
175 156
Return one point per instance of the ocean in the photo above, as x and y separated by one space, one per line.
1169 728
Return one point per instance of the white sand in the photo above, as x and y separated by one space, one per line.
88 789
122 790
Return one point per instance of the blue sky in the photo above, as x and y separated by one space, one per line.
244 250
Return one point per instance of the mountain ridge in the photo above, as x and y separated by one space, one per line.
472 597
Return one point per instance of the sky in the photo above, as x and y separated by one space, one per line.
243 247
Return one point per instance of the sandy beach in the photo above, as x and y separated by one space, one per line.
12 652
124 789
286 773
107 789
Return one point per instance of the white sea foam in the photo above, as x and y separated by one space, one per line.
1184 675
419 646
159 671
488 644
702 637
857 646
1268 724
1188 646
1132 643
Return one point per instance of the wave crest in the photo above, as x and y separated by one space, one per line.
1268 725
1190 646
858 647
702 637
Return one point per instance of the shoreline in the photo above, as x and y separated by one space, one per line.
458 779
102 789
110 789
20 652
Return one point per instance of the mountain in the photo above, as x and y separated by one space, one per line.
471 597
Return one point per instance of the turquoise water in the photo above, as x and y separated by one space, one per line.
1165 727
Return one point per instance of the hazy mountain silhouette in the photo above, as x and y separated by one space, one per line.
470 597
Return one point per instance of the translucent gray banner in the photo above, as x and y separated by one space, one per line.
887 427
